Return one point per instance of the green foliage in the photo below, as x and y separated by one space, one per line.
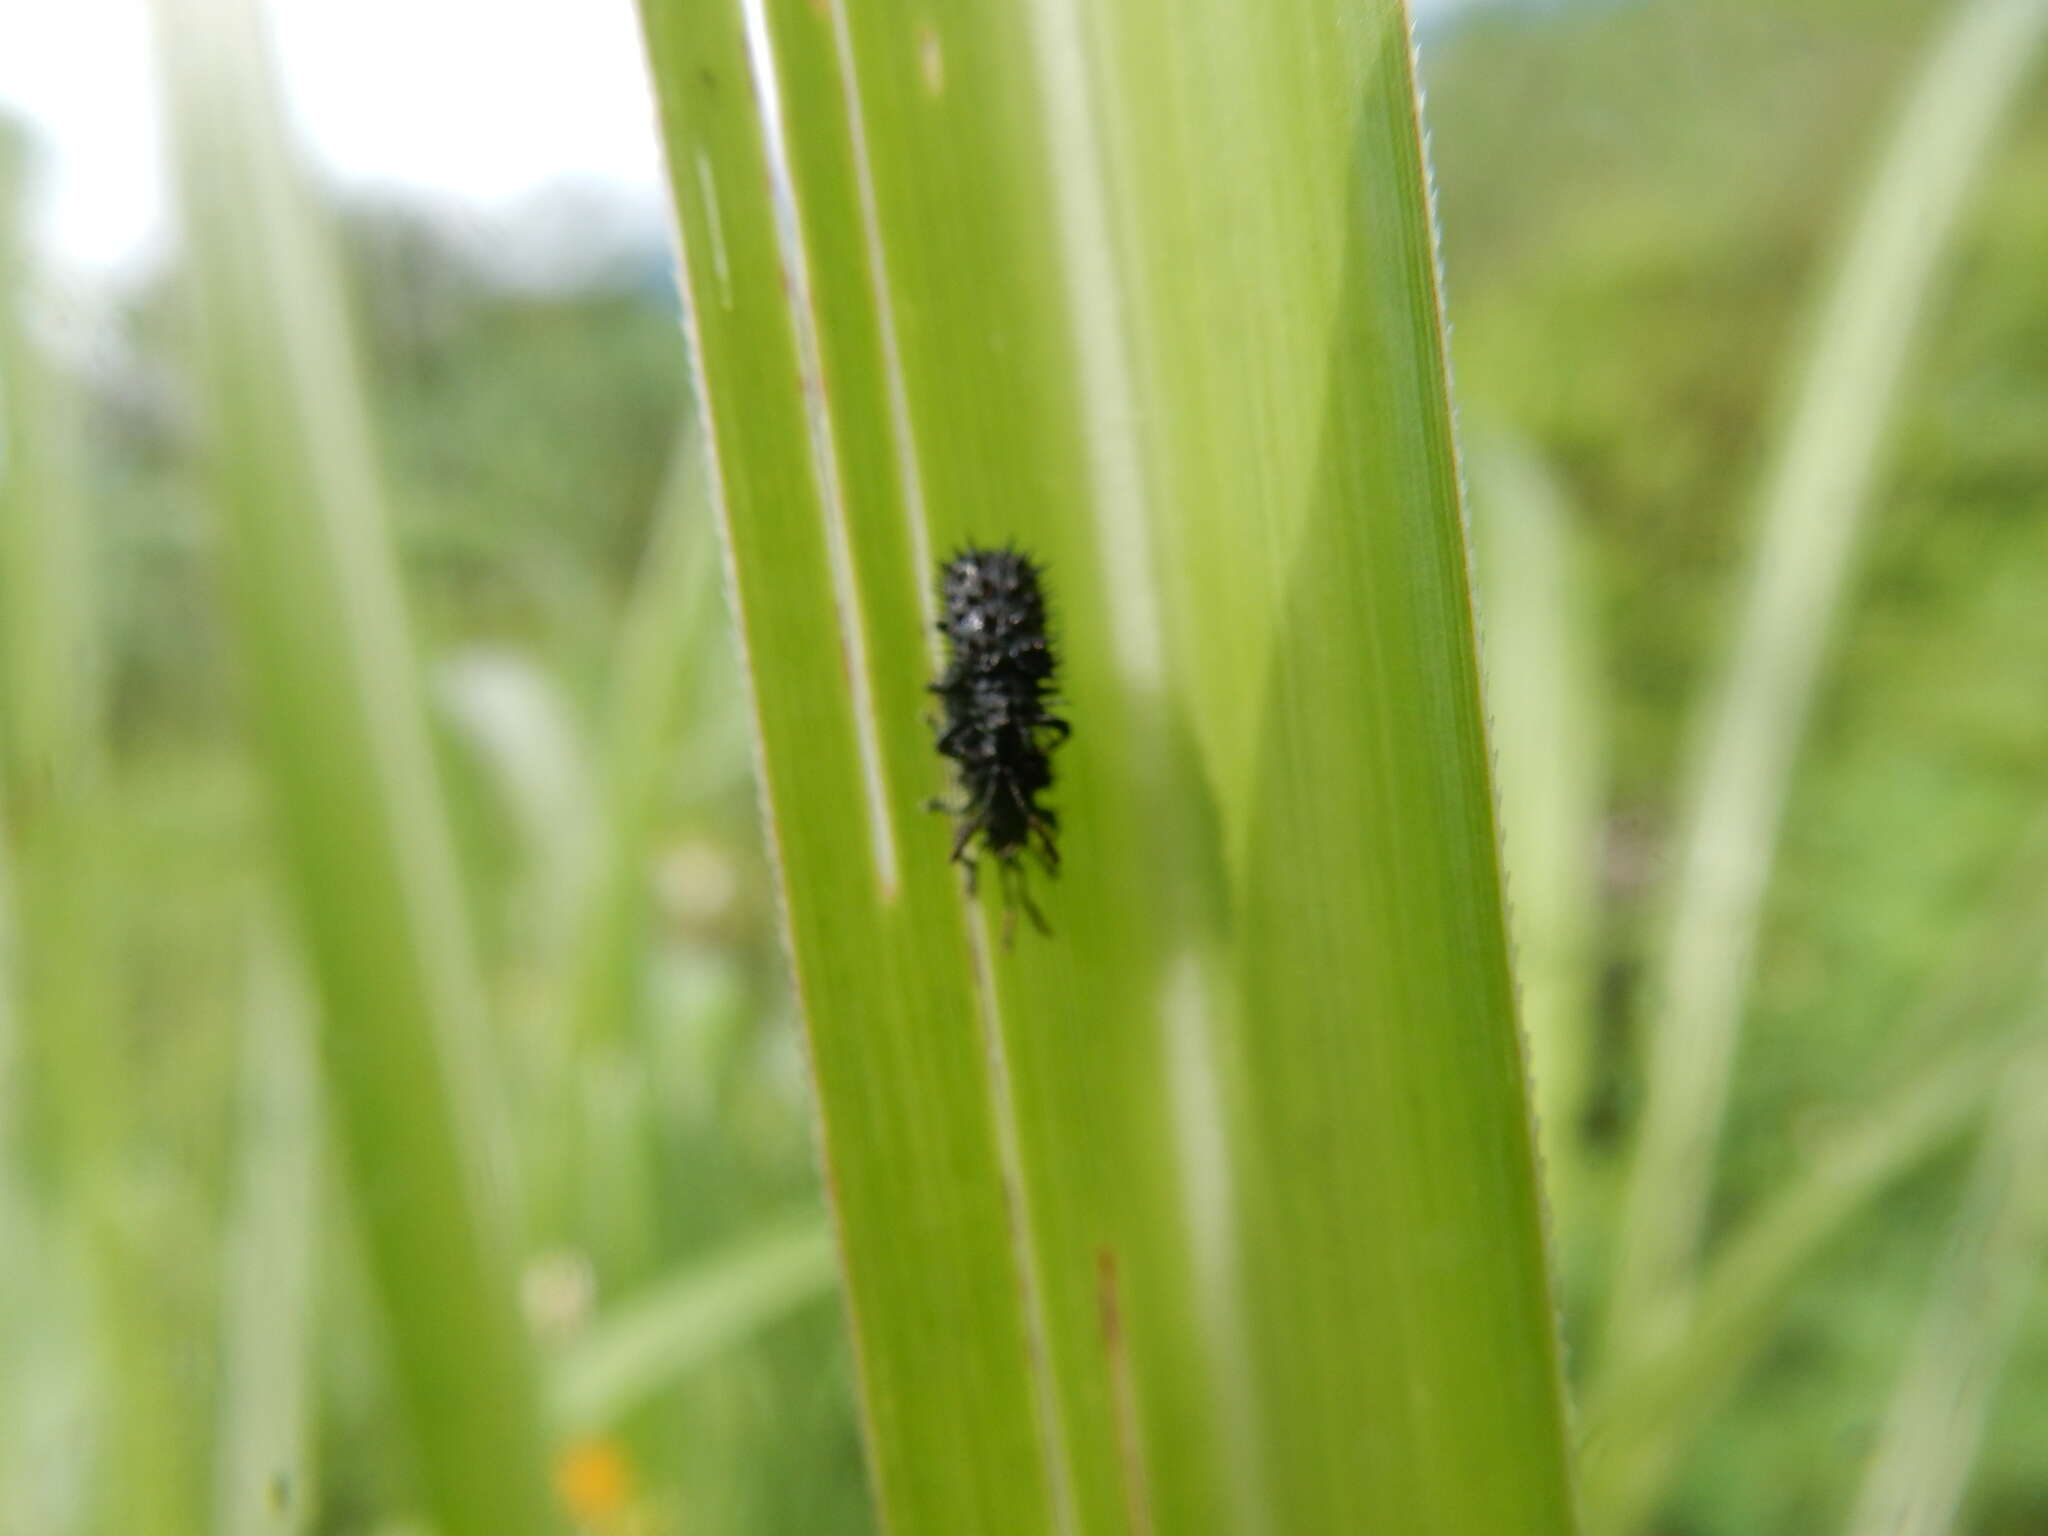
1637 200
593 545
79 1132
365 848
1633 321
1144 1222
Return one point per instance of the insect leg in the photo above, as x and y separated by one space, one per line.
959 855
1031 907
1042 828
1017 894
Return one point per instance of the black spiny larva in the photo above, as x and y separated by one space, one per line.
999 728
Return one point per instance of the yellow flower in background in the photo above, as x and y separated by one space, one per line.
594 1480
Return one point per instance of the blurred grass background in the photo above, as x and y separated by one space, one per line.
1638 201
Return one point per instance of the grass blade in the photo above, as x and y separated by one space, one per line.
1378 1020
1237 1161
641 1347
1640 1415
264 1483
46 1325
897 1047
666 674
1545 698
519 728
1812 509
674 732
1920 1469
54 771
338 706
50 747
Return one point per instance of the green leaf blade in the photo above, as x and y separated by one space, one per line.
1253 545
897 1048
365 845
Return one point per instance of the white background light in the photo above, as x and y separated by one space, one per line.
482 100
